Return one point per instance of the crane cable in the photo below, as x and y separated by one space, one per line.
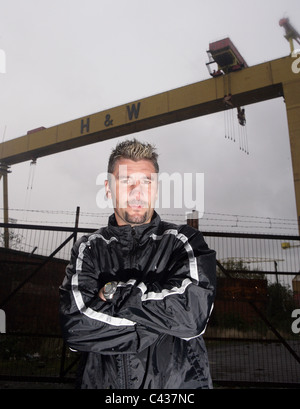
30 184
229 124
242 129
243 139
229 118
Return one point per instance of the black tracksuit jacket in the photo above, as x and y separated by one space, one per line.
150 335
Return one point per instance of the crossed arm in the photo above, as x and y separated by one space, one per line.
140 311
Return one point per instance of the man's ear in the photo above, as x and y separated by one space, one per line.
107 189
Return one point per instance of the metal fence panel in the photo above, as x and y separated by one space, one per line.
250 337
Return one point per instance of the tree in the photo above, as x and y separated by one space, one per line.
239 269
280 305
15 240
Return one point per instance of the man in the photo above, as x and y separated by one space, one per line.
138 293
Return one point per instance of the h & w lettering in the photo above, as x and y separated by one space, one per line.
133 111
85 126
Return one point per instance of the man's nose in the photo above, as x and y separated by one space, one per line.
136 189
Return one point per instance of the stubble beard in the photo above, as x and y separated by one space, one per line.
136 219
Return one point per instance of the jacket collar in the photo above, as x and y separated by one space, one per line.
127 231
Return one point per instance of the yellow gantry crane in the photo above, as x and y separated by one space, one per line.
238 85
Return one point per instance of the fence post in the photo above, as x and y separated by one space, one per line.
4 170
76 224
64 347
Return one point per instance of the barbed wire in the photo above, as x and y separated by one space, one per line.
97 214
209 221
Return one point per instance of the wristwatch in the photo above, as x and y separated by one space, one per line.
110 289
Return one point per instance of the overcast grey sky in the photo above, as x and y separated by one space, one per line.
71 58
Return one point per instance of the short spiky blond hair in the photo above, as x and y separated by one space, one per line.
134 150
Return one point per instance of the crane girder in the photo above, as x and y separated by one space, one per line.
251 85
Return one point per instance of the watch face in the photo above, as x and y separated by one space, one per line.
110 289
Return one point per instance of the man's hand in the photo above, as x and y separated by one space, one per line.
101 294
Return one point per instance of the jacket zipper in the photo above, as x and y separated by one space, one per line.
125 362
134 243
125 358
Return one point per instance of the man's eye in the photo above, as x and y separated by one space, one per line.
130 182
127 181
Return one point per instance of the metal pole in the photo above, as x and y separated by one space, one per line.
62 370
4 170
291 41
5 210
275 265
76 223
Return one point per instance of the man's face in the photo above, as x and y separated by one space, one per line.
133 189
